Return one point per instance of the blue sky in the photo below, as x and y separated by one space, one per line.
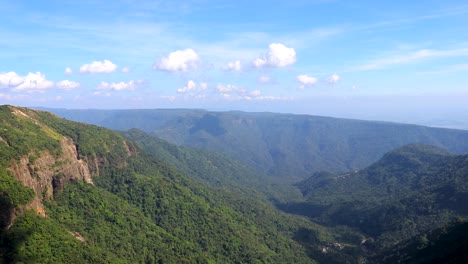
361 59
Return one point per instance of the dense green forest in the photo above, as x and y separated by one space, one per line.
409 192
285 147
141 209
213 168
150 201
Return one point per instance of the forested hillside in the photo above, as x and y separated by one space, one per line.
72 192
288 147
213 168
77 193
407 194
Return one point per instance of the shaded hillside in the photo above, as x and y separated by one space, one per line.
410 191
213 168
107 201
443 245
289 147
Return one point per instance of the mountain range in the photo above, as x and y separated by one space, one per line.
285 147
235 188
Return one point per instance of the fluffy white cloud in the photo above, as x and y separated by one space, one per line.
31 82
68 71
234 66
334 78
264 79
67 85
125 70
178 61
105 66
120 86
306 80
191 85
35 81
10 79
258 62
278 55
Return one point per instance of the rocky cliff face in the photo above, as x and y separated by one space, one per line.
43 151
46 174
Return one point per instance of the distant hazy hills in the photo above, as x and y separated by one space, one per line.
288 147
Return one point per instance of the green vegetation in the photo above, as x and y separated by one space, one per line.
108 222
287 147
153 202
143 210
91 141
409 192
21 135
442 245
35 239
212 168
12 192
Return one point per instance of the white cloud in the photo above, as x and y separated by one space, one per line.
68 71
35 81
10 79
264 79
67 85
278 55
306 80
130 86
31 82
258 62
105 66
234 66
125 70
178 61
334 78
195 89
191 85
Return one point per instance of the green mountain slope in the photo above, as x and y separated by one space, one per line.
106 200
213 168
289 147
410 191
442 245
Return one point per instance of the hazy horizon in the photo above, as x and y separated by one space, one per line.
412 111
391 61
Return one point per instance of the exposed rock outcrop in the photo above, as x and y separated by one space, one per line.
46 174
